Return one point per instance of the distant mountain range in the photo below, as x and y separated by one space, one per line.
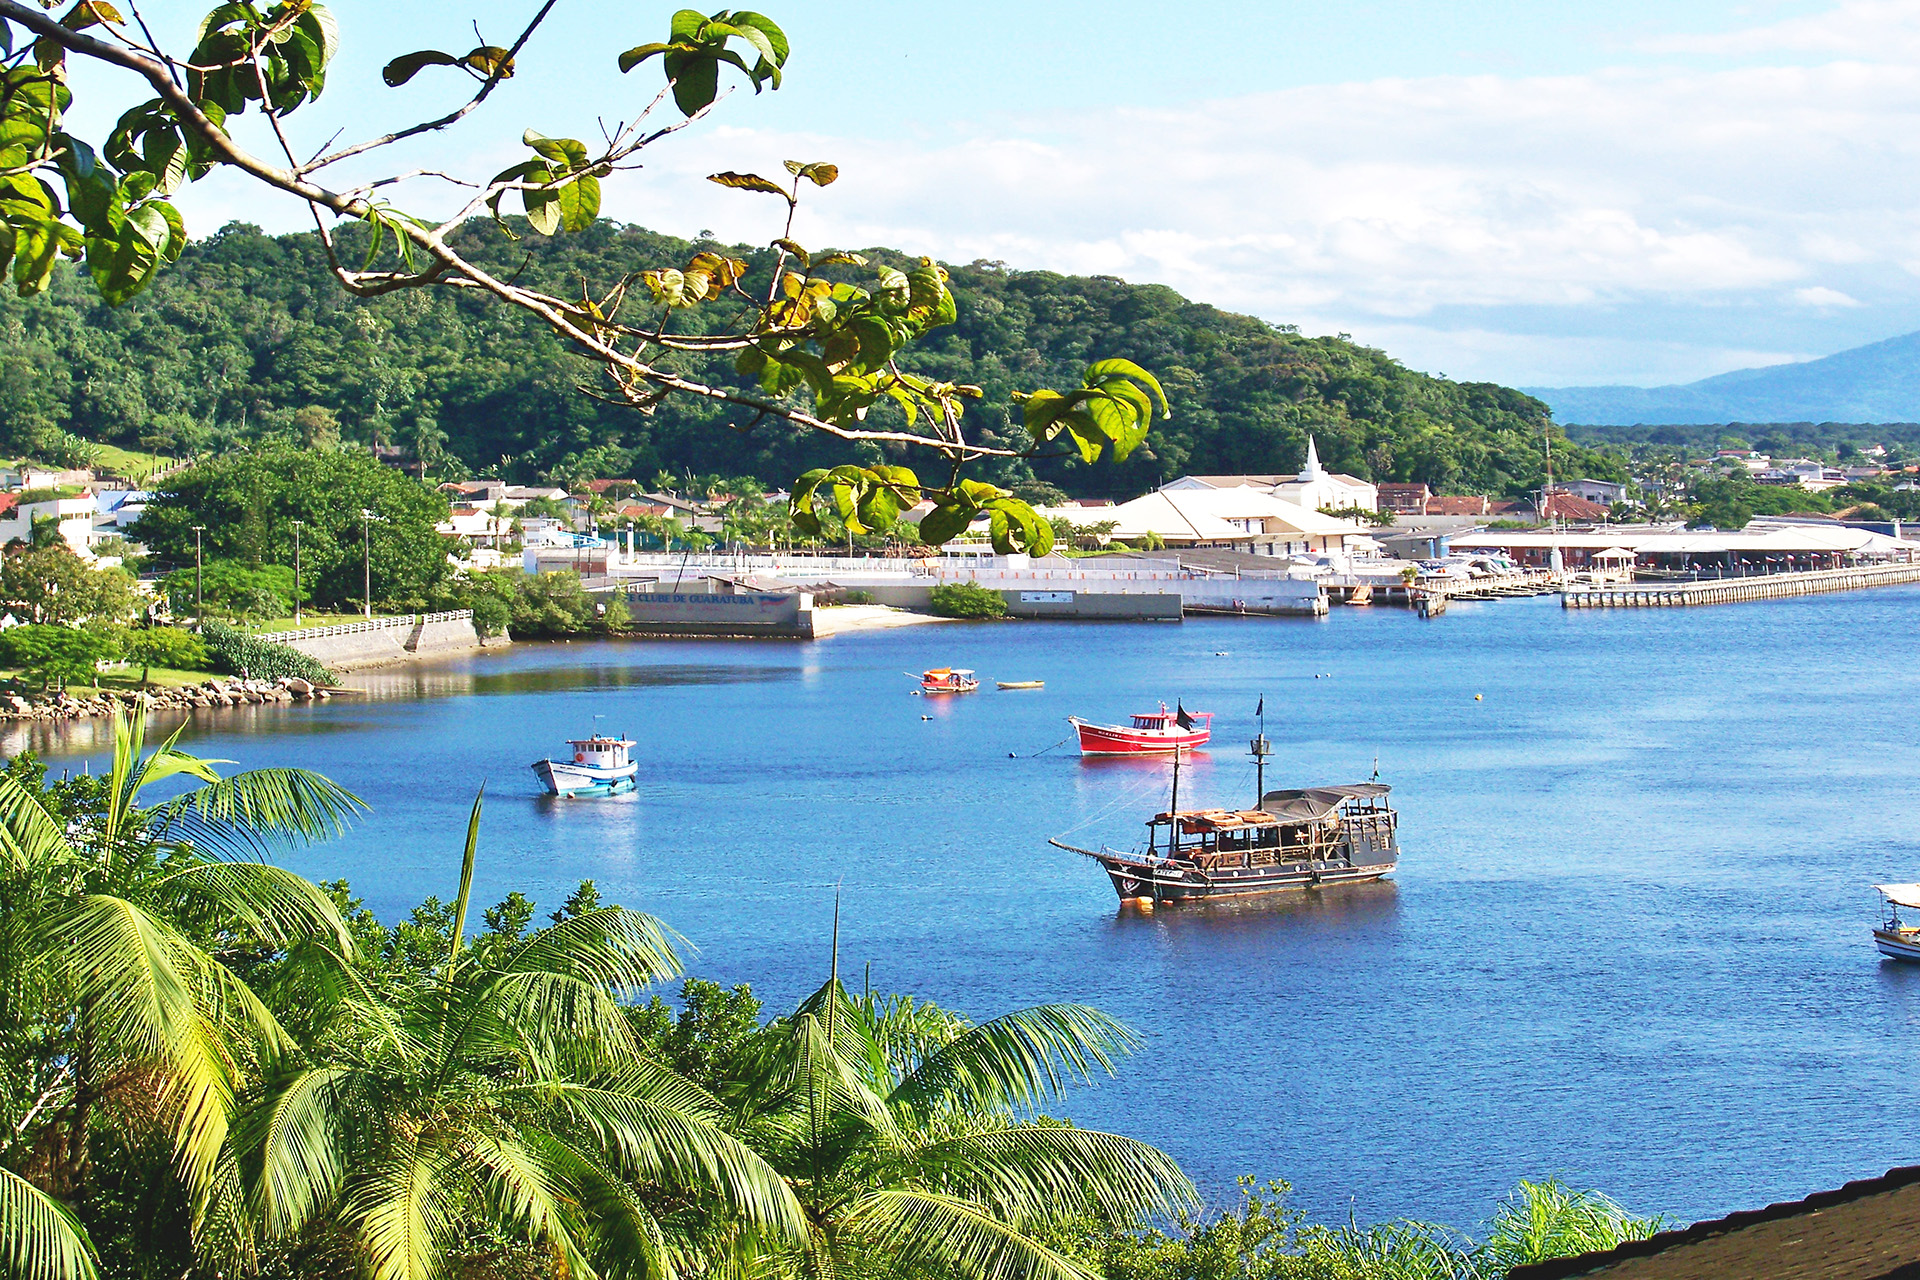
1876 383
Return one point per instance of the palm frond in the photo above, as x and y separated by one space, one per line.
529 1193
466 880
255 812
947 1233
651 1142
1017 1061
300 1162
827 1077
276 905
612 947
406 1211
29 836
560 1022
40 1239
1029 1171
627 1241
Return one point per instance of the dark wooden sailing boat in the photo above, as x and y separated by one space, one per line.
1297 839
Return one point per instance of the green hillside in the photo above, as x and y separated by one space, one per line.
248 338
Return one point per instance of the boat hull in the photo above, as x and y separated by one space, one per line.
1898 945
567 780
1117 740
1170 883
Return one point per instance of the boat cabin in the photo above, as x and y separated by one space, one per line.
601 753
1166 720
1308 825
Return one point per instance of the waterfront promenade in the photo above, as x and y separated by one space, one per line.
1732 590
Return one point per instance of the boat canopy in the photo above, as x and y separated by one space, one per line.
1901 895
1193 821
1309 804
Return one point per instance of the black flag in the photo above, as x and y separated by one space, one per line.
1262 708
1180 716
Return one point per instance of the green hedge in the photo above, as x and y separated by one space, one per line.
238 653
968 600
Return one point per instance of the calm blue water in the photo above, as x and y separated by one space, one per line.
1628 942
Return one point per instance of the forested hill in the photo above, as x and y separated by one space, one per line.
249 337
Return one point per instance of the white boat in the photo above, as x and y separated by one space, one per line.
600 767
1895 939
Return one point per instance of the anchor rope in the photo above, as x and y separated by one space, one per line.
1128 797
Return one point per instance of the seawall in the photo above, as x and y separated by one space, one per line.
380 641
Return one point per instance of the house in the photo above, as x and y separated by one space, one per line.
41 478
1865 1230
75 515
1313 488
482 494
1573 508
478 525
1458 504
1404 499
1604 492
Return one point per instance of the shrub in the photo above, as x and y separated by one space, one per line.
55 654
968 600
165 647
240 654
490 616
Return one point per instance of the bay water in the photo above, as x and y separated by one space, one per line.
1627 944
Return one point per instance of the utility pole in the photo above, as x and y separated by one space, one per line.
197 531
366 560
296 571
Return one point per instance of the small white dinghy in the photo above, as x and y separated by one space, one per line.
600 767
1898 940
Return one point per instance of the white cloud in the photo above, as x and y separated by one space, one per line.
1821 296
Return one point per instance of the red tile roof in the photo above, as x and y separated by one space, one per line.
1457 504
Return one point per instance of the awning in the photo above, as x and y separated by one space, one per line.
1613 553
1901 895
1310 804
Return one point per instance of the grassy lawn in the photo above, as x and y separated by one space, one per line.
126 462
309 618
158 677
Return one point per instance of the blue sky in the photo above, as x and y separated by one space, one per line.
1539 193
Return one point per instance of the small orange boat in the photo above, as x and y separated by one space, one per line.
948 680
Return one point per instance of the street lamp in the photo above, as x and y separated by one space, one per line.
197 531
366 560
297 524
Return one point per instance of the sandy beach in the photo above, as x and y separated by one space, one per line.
843 618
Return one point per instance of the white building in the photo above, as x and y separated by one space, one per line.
1313 488
75 515
1241 517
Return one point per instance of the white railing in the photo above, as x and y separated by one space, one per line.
408 620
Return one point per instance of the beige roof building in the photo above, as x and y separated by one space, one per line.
1243 517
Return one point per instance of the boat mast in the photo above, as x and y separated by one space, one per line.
1261 750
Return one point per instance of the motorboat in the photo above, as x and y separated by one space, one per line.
1896 939
600 767
1151 733
948 680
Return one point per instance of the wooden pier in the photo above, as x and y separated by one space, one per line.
1731 590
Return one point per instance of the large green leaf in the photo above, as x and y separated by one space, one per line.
40 1239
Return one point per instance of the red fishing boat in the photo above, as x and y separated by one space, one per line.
948 680
1151 733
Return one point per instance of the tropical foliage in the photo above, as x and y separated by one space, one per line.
247 504
238 653
968 600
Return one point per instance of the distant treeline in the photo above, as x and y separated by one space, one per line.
1780 438
248 339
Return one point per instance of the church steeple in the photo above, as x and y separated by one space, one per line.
1312 471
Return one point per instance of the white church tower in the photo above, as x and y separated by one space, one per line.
1316 488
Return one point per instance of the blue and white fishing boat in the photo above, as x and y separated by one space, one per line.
600 767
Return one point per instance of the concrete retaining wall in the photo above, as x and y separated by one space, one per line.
1156 606
380 641
789 616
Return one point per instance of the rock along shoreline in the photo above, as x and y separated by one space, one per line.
230 691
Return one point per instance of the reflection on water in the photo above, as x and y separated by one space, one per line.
1349 906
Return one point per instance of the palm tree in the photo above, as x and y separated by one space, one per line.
911 1141
504 1092
117 921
